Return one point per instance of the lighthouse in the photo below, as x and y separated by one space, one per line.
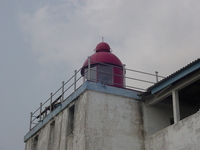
104 67
101 114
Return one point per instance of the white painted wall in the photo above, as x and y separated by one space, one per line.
74 141
156 117
102 122
113 123
184 135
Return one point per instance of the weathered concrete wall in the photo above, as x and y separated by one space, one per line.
156 117
113 123
101 122
62 141
80 121
44 142
184 135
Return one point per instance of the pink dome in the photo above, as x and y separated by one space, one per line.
109 68
102 47
102 55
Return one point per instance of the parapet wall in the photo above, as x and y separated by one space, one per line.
184 135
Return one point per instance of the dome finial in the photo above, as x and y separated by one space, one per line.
102 39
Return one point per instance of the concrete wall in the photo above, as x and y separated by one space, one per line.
156 117
184 135
102 121
62 141
113 123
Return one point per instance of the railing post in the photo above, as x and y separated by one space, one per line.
75 72
89 67
51 102
156 76
63 84
31 115
40 111
124 75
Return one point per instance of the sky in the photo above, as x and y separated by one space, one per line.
43 42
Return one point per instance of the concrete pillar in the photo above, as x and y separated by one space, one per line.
176 110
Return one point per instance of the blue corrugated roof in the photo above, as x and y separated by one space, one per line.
193 66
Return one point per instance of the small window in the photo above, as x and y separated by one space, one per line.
70 120
105 74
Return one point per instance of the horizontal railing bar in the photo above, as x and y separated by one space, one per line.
46 101
140 80
57 91
136 88
78 79
79 70
145 73
36 110
69 87
68 80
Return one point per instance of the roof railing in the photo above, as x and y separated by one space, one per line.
56 99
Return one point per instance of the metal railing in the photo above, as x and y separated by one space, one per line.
131 78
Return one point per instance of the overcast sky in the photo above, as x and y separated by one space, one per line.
43 42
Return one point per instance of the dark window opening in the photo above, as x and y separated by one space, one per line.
35 143
70 120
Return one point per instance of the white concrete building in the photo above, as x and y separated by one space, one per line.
104 113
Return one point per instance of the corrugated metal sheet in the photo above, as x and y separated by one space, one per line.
191 67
